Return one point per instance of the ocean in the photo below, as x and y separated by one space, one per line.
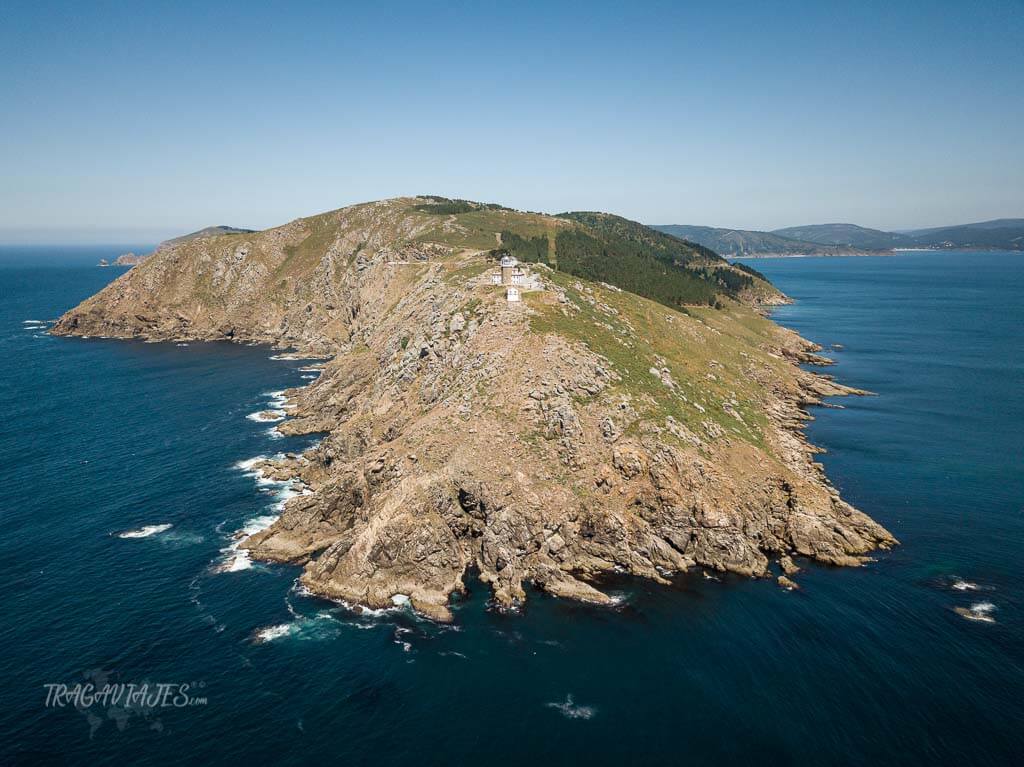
124 482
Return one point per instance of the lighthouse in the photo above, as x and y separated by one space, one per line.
508 269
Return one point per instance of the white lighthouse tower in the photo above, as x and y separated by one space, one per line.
508 269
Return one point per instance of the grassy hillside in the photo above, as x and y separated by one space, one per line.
641 260
1000 234
635 336
596 246
210 231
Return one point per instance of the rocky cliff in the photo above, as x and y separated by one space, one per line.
581 431
129 259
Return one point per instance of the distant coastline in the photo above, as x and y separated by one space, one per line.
1004 234
880 253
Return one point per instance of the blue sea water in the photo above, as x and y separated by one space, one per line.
861 666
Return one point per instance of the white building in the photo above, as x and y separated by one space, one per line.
509 266
512 294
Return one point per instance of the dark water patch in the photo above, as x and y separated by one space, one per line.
870 665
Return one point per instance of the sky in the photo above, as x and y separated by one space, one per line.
132 122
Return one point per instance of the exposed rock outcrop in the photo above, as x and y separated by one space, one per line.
583 431
129 259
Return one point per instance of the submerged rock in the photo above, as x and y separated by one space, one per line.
787 583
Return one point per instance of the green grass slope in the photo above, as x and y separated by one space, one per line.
597 246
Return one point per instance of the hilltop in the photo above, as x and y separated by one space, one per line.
847 235
133 259
999 234
209 231
635 412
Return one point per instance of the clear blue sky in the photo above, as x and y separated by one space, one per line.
134 121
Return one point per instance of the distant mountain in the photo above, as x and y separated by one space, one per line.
746 242
850 239
996 223
1000 234
848 235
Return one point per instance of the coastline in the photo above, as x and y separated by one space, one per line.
904 603
303 476
812 255
582 431
881 253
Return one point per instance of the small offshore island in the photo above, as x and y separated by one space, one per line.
606 398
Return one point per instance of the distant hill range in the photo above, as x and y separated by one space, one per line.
746 242
847 235
131 259
998 234
850 239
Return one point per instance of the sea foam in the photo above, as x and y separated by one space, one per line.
248 463
322 625
979 611
144 532
570 710
267 416
237 559
276 398
270 633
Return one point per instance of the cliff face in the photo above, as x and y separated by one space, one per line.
580 431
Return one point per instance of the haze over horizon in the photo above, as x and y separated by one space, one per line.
130 124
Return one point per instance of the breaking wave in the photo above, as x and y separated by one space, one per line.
322 625
144 532
267 416
270 633
570 710
236 559
979 611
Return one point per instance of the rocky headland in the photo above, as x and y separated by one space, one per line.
134 259
129 259
581 430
